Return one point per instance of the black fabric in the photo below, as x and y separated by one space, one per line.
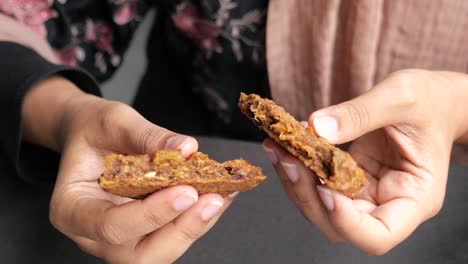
201 53
186 95
20 69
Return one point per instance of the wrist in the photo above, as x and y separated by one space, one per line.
44 108
77 114
459 105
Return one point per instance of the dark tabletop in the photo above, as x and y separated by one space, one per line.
262 226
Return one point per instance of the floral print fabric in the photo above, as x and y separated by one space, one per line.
206 32
94 41
94 35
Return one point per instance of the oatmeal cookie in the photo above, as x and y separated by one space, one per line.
334 166
137 176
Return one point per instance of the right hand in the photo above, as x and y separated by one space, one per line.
401 135
158 229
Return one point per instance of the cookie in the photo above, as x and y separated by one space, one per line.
335 167
137 176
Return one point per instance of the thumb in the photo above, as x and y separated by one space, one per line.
349 120
153 138
141 136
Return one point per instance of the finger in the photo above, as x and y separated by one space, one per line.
103 221
169 243
390 102
89 246
374 232
273 152
271 149
364 205
299 182
127 131
307 199
150 138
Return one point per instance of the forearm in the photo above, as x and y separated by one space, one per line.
24 96
45 107
46 100
460 107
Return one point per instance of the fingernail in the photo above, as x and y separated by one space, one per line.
233 195
326 197
326 126
291 171
184 201
175 142
210 210
270 154
179 142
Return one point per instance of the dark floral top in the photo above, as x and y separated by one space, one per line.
216 46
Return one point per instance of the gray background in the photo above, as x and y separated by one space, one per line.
261 226
123 84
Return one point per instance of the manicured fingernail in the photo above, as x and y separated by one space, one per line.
291 171
179 142
210 210
184 201
326 126
326 197
271 154
233 195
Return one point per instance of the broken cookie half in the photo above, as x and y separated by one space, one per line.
137 176
335 167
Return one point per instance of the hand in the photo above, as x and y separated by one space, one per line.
403 130
158 229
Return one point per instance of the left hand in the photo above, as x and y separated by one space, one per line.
157 229
403 130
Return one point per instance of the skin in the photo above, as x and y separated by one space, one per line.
401 134
84 128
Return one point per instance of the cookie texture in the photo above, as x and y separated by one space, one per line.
335 167
137 176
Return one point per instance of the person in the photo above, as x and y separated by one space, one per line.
346 62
